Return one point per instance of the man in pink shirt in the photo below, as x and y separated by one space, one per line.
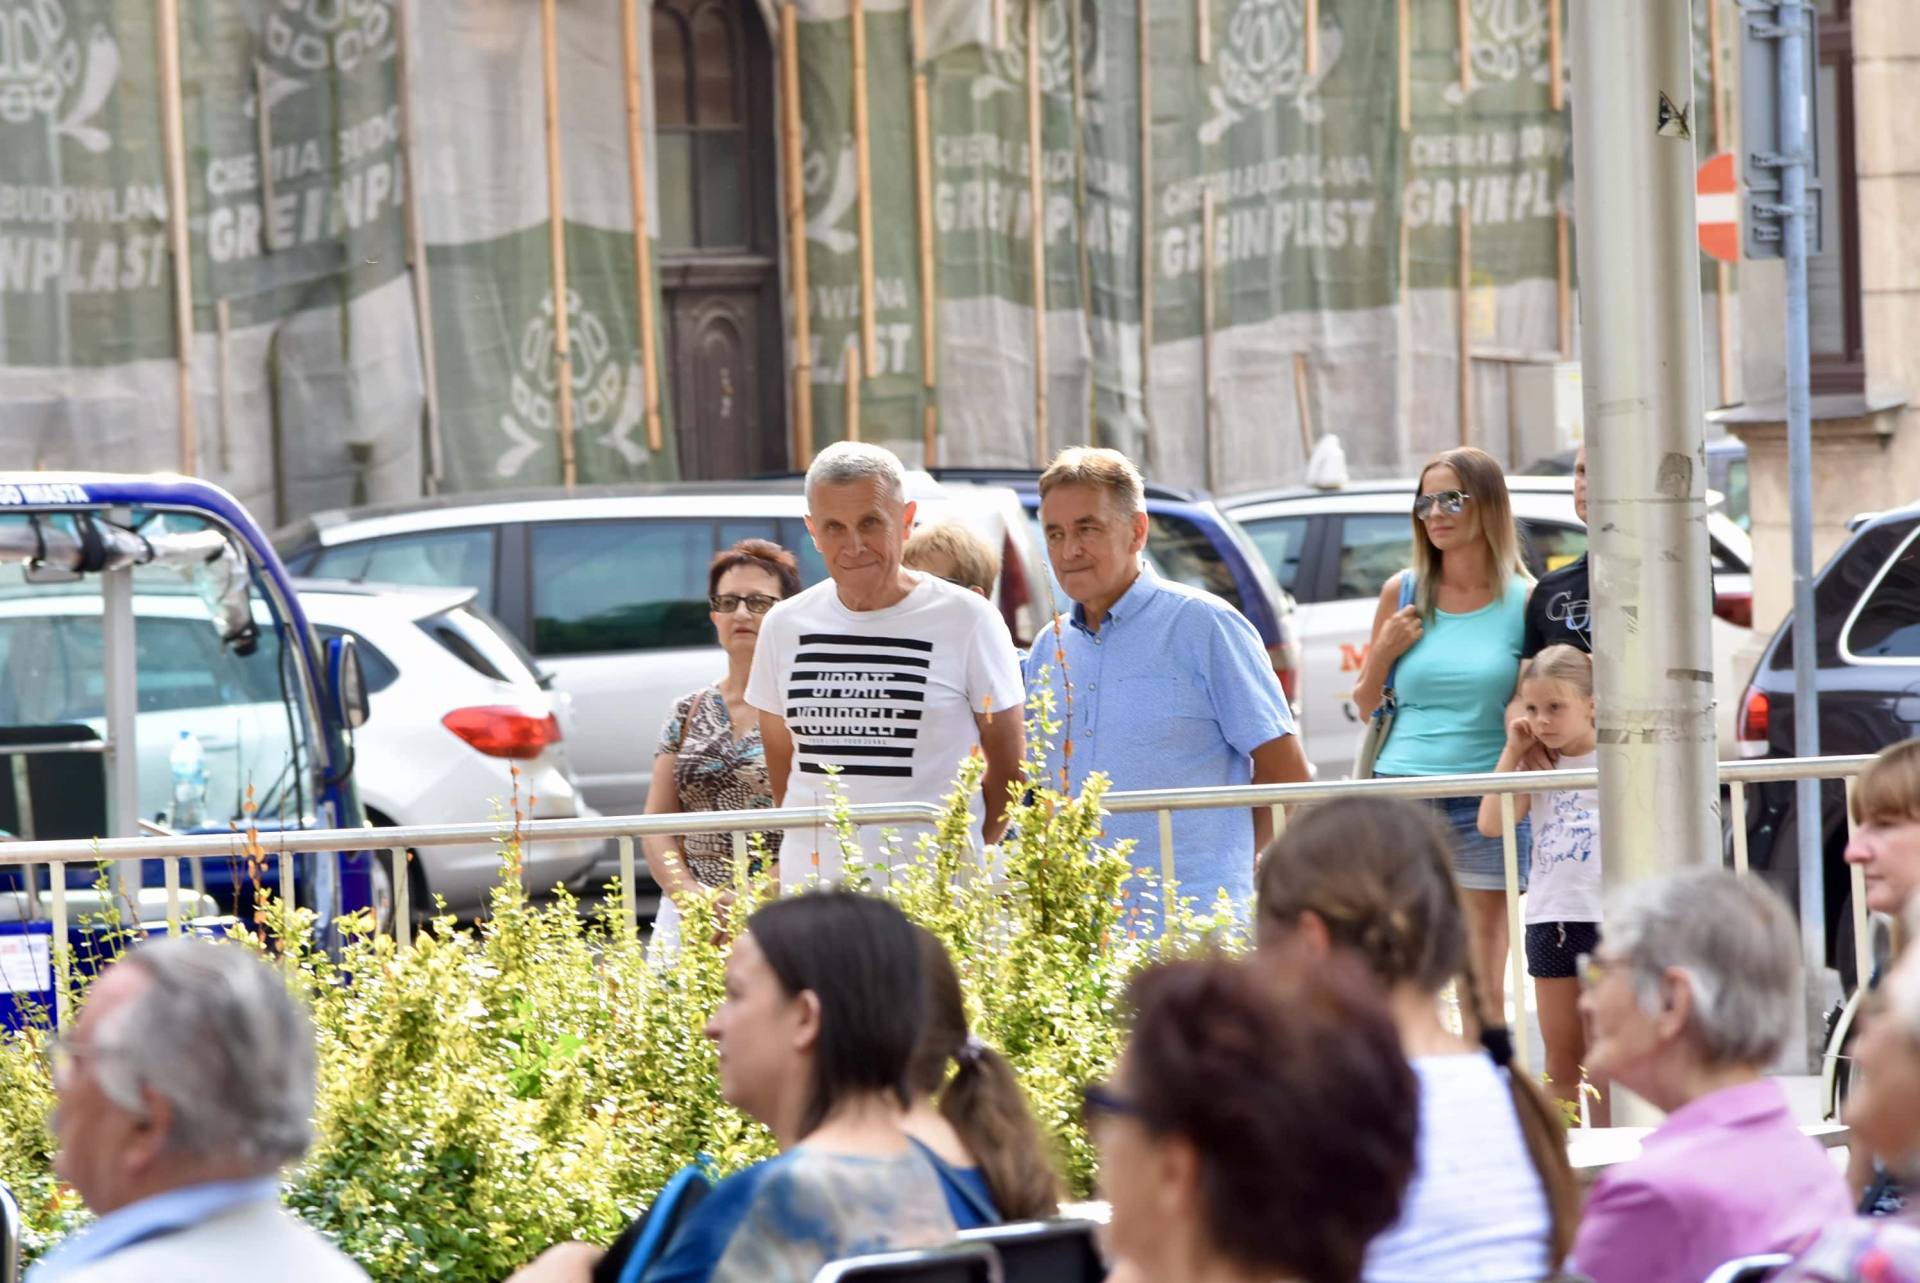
1690 999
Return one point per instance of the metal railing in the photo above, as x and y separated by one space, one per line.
284 845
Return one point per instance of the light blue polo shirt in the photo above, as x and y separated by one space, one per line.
1174 691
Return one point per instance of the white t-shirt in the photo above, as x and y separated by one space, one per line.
1563 884
887 696
1475 1211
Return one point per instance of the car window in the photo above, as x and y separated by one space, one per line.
481 645
606 586
1888 626
1551 546
441 559
795 539
378 670
1736 492
1373 549
1280 540
1181 551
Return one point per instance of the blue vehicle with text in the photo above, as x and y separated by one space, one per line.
158 676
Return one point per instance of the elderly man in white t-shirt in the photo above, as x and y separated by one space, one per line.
881 679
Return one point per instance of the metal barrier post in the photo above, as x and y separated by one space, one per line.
741 864
629 898
402 899
288 897
60 961
1279 820
1516 935
1739 797
1168 883
172 866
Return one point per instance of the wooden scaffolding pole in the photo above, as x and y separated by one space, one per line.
1303 404
1203 28
1076 38
174 141
863 155
1465 320
852 402
1722 270
1313 38
1146 211
1207 302
416 241
923 195
642 231
793 179
557 246
1406 68
999 17
1563 251
1037 197
1463 15
1556 57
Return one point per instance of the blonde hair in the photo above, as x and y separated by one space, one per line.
1107 470
974 562
1486 487
1561 663
1890 786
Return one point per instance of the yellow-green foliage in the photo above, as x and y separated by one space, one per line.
490 1091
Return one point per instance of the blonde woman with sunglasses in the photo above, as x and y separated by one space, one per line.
1457 645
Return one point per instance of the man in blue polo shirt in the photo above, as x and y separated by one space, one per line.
1156 685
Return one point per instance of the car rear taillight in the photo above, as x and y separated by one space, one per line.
1283 669
1754 712
1015 592
1734 607
500 730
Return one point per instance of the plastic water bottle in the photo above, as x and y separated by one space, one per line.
189 762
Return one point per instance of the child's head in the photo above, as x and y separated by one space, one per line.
954 553
1556 692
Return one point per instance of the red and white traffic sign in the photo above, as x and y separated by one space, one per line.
1717 200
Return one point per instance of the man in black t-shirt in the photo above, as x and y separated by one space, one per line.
1560 609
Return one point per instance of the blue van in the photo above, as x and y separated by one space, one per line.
138 614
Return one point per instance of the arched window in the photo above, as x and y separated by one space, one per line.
700 124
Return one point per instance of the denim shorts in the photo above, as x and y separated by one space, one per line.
1479 863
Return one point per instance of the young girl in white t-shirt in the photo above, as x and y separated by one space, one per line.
1563 888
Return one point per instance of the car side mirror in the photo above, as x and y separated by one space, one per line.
347 681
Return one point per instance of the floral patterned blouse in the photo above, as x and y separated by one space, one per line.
713 771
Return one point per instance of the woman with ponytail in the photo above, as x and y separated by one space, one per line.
1493 1199
975 1124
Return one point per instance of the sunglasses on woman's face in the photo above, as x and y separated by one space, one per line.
1100 1101
1450 502
728 602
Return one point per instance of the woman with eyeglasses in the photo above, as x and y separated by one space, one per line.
1255 1130
1446 638
710 757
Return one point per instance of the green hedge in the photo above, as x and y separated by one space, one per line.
491 1091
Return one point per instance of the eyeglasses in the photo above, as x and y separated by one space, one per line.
1591 968
1451 502
61 1055
756 603
1098 1101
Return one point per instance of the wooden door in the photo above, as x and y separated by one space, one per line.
719 237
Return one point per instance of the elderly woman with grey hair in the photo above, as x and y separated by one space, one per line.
1689 1000
183 1088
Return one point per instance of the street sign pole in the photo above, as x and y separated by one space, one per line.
1794 87
1640 368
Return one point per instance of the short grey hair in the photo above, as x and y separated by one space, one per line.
847 462
218 1036
1734 940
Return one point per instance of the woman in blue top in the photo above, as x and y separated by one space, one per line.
976 1125
1458 649
823 1007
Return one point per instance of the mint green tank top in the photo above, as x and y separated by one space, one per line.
1453 689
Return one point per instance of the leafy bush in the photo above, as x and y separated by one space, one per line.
491 1091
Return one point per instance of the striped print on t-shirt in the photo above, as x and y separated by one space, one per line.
880 704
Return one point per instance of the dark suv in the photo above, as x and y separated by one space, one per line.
1866 609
